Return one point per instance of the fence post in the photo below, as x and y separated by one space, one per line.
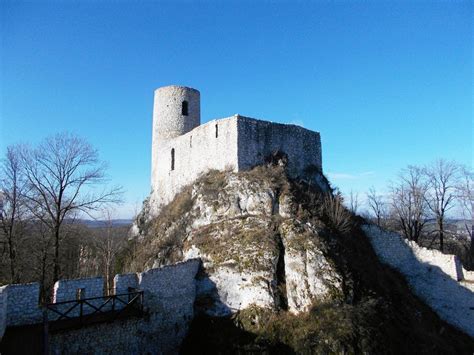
45 332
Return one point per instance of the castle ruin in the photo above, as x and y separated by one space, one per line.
183 149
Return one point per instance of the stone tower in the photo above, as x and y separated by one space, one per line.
176 111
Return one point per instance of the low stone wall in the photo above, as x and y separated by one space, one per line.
3 310
169 295
123 282
66 290
432 275
23 304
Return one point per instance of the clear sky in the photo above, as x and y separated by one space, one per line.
386 83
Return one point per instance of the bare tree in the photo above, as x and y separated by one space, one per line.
108 246
353 202
63 174
41 254
12 206
408 202
442 177
465 191
377 205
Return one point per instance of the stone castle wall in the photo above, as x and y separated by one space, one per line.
258 139
236 143
194 153
169 295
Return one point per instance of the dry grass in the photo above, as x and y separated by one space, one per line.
336 216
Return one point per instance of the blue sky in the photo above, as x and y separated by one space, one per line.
386 83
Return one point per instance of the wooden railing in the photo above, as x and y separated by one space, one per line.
96 305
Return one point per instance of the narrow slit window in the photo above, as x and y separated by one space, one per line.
184 108
217 131
80 294
172 159
190 141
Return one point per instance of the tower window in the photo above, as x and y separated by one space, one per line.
190 141
217 131
172 159
184 108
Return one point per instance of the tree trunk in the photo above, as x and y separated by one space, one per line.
441 234
56 255
471 254
12 260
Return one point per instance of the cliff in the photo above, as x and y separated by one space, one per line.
285 267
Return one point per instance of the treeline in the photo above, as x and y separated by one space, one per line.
44 190
432 205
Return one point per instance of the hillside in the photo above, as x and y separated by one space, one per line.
285 268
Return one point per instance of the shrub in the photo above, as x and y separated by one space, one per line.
335 214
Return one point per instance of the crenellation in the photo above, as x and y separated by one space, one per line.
66 290
23 304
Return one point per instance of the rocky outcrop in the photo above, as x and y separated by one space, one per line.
285 263
255 250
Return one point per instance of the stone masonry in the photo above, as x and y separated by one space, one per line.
183 149
169 295
435 277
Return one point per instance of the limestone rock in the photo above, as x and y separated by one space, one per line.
254 250
309 274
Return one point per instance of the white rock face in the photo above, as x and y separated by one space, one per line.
432 275
251 244
254 249
309 275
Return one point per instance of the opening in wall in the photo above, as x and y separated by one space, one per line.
80 294
184 108
217 131
190 141
172 159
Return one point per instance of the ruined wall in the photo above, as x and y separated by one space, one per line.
169 295
66 290
195 152
432 276
123 282
408 256
3 309
236 143
23 304
258 139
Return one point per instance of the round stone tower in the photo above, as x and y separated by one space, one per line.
176 111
